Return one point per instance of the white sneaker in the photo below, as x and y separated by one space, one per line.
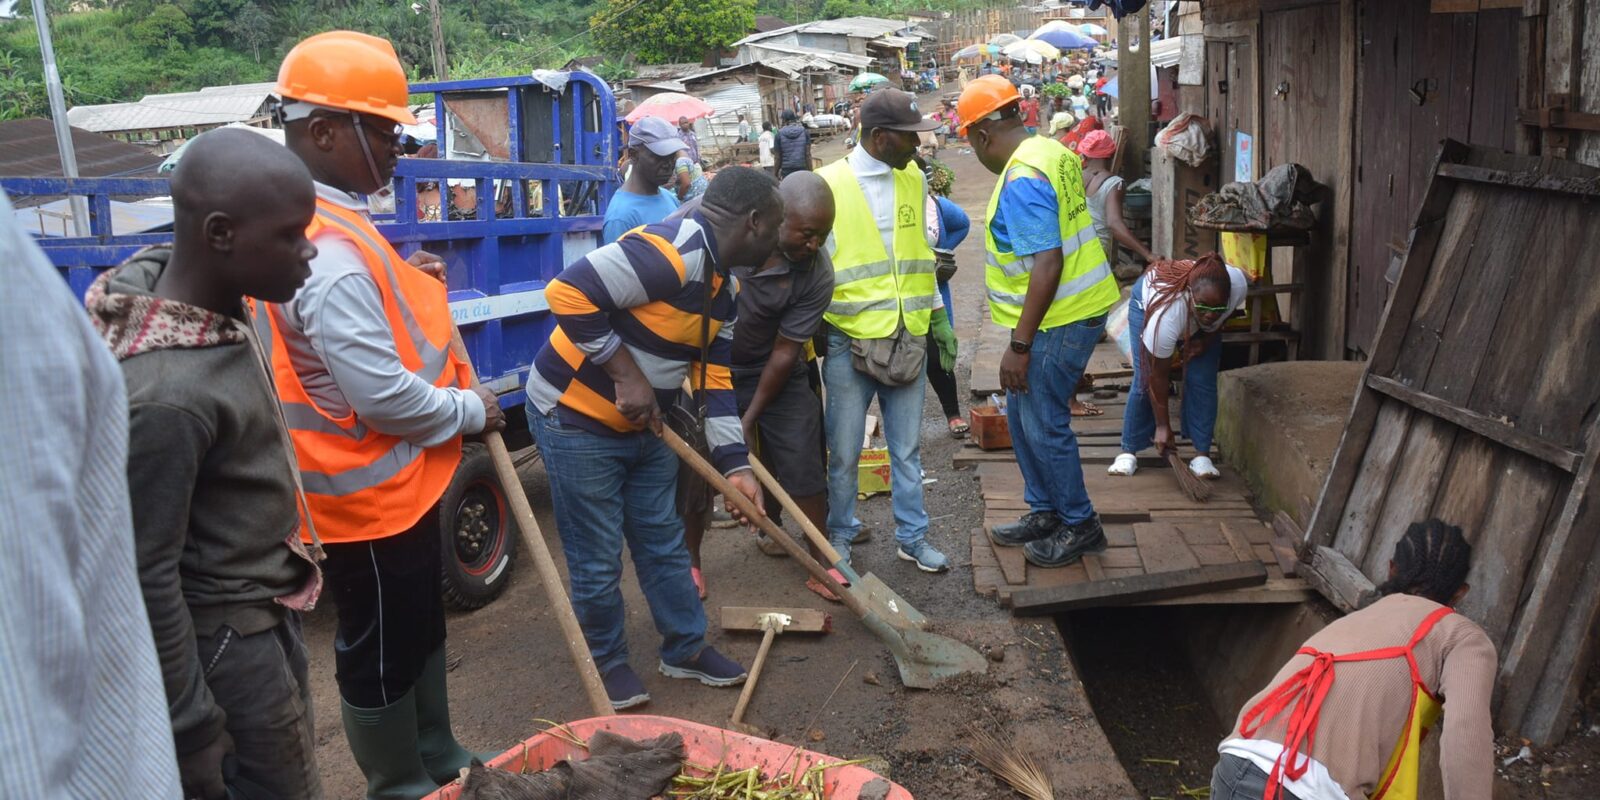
1202 466
1125 464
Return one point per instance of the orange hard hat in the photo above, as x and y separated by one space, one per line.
347 70
983 97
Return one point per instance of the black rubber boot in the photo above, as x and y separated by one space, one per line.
1033 526
442 756
1068 545
384 742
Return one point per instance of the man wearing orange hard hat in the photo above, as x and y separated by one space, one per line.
1049 282
376 407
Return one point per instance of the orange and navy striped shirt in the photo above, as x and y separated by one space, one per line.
645 292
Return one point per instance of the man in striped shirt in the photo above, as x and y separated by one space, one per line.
634 318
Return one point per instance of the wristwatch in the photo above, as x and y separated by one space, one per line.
1021 348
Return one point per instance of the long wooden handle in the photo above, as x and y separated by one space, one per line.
698 463
821 542
755 673
533 540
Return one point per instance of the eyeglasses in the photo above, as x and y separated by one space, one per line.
386 128
1210 309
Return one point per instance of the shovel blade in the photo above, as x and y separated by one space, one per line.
924 659
886 603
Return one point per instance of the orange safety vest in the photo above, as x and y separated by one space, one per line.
1307 689
360 483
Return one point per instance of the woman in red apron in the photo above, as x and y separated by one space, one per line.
1344 719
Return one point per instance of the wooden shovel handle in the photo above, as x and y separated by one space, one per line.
755 674
533 540
698 463
821 542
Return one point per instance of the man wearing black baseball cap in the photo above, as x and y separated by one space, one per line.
884 301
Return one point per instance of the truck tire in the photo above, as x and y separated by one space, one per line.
478 533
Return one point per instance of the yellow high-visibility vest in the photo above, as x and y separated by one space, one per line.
871 292
1087 286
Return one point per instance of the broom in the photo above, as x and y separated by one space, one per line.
1192 485
1016 768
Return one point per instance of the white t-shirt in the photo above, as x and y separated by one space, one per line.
766 142
1163 331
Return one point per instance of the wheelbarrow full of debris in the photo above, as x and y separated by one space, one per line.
639 757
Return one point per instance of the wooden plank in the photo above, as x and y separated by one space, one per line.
1125 590
1120 536
1338 580
1162 548
1013 565
1411 491
1539 182
804 620
1096 568
1213 553
1354 520
1239 510
1195 534
1237 541
1275 591
1121 557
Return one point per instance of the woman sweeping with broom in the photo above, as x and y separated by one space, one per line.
1173 304
1345 717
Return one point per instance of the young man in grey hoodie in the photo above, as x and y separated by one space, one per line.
216 510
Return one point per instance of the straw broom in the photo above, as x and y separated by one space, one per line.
1192 485
1008 763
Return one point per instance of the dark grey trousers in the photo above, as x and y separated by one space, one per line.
260 682
1237 778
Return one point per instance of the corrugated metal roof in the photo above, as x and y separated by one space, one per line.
858 27
893 41
849 61
213 105
28 149
1166 52
55 217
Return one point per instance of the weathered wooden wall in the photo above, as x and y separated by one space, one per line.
1479 407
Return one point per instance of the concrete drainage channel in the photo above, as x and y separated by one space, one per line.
1166 682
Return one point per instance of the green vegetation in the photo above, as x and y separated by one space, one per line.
120 50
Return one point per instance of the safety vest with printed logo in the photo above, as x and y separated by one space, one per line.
1087 287
360 483
871 291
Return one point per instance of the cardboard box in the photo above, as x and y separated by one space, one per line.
990 431
872 472
1175 186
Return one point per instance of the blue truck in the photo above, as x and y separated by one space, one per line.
526 168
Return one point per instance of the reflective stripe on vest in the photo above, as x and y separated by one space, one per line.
360 483
1087 287
871 294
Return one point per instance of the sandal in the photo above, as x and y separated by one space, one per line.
699 581
1082 409
959 428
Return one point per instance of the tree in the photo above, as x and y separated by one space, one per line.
164 26
671 30
252 28
834 9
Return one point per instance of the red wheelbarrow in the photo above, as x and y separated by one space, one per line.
704 745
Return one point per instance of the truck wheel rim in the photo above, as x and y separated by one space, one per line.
479 518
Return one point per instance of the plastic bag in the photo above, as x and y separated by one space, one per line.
1117 330
1186 138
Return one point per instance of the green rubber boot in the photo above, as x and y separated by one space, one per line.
442 755
384 742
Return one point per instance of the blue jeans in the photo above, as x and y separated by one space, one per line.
1235 778
1041 420
607 490
849 394
1199 390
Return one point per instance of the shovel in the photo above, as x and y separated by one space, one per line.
533 540
868 588
923 658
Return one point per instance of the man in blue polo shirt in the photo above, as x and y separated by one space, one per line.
653 148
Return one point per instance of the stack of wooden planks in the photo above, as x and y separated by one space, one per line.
1164 548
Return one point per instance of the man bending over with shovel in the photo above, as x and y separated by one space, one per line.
633 319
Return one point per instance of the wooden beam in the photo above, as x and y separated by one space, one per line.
1583 187
1338 580
1333 345
1483 425
1137 588
801 620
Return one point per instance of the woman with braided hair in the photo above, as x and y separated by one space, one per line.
1177 302
1345 717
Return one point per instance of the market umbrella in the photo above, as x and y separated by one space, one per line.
975 51
1003 39
1027 56
1091 29
1036 46
1110 89
866 80
670 106
1065 37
